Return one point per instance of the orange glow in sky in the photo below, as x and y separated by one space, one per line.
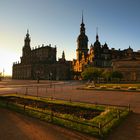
57 22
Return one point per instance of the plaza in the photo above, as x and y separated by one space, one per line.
67 90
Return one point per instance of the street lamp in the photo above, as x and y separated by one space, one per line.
50 77
38 76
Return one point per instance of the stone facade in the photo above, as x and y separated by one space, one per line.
101 56
41 63
129 67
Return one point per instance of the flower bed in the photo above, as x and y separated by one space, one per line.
96 120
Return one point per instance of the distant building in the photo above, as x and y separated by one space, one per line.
129 67
100 56
41 63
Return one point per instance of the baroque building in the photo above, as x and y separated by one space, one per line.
40 63
126 61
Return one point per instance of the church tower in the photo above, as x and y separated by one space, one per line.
63 56
26 48
82 42
97 44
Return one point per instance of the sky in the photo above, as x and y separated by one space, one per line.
57 22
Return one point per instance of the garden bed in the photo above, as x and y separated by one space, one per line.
82 112
96 120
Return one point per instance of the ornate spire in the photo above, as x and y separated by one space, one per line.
97 37
27 39
82 17
27 35
26 48
27 31
82 41
63 55
82 29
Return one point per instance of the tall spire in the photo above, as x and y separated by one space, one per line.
27 39
63 55
27 31
82 17
97 37
96 30
27 35
26 48
82 29
82 41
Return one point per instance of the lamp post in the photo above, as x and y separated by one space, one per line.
38 76
50 79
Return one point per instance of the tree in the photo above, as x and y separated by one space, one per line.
91 73
116 75
106 75
87 74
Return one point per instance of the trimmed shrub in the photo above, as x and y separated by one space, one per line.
132 88
116 87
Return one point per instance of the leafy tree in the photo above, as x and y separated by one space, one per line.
91 73
106 75
87 74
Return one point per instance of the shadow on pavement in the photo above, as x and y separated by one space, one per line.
128 130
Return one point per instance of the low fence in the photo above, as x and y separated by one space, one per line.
52 117
45 90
